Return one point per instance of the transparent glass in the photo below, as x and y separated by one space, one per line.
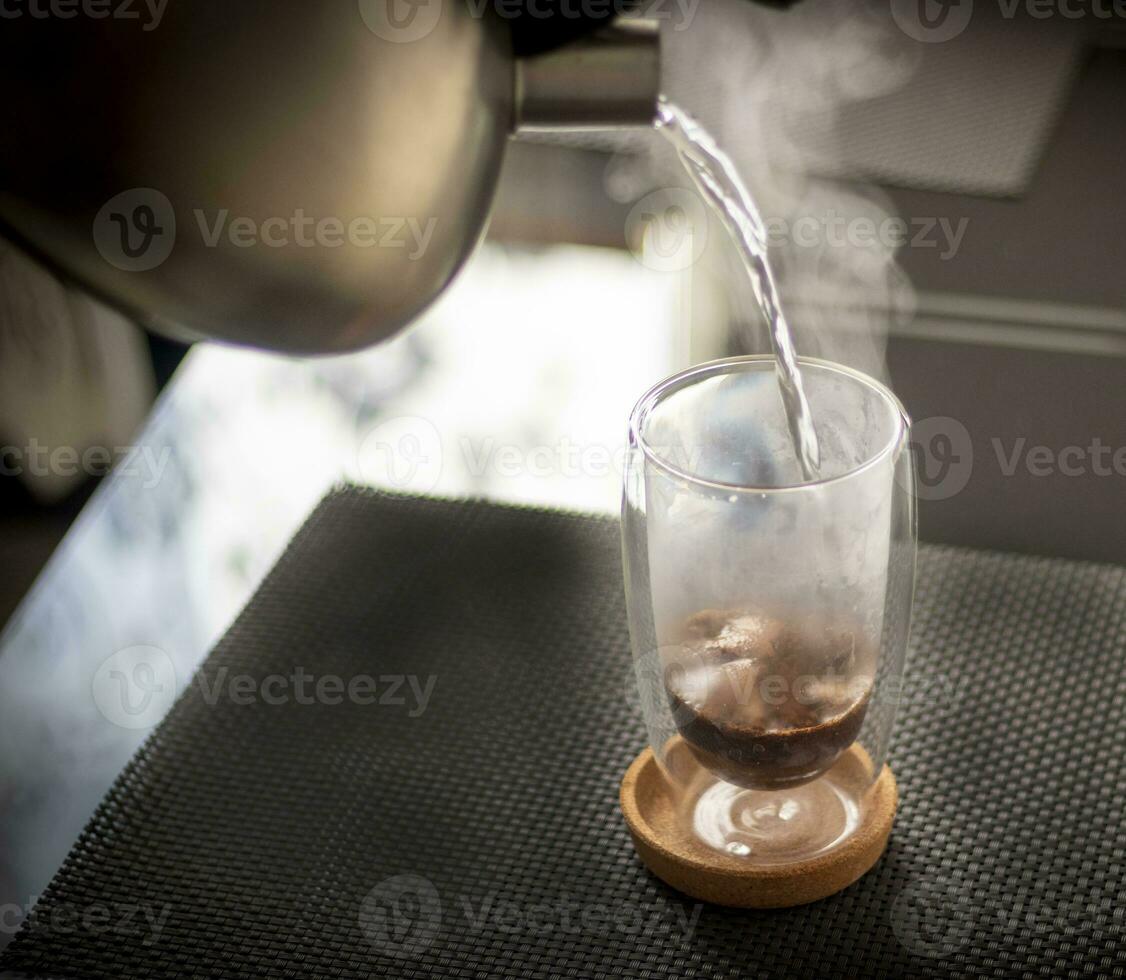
769 617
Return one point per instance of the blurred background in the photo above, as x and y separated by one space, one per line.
943 201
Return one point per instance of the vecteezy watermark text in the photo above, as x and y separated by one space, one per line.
402 916
36 459
136 686
305 231
667 230
303 687
933 21
935 916
121 919
91 9
673 667
944 458
405 21
409 452
565 915
1094 459
136 230
836 230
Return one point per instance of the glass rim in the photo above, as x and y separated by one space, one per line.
698 372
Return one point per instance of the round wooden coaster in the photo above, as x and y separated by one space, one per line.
673 853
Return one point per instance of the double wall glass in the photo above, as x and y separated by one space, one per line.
769 614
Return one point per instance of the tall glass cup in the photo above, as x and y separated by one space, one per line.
769 615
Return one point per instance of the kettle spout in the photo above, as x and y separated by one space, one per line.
609 80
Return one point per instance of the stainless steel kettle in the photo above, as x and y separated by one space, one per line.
297 175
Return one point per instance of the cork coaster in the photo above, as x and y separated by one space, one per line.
672 852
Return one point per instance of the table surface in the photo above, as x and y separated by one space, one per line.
515 387
471 828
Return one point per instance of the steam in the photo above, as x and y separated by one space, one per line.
769 86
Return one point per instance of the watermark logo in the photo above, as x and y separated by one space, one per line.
646 682
404 453
135 687
667 229
136 229
931 917
943 455
401 21
941 20
935 917
401 916
409 453
932 21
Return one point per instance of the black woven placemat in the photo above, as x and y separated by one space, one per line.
474 832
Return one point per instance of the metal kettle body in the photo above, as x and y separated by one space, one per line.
299 176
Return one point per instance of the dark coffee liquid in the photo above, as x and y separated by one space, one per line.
763 704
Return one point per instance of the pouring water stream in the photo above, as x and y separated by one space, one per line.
715 177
